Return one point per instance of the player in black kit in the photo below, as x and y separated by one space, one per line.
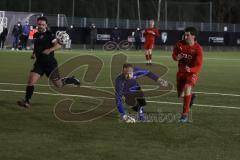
45 43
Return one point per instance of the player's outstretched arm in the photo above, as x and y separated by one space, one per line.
143 72
119 94
118 97
56 46
157 34
176 55
33 56
145 33
138 72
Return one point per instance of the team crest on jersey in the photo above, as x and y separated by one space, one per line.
187 56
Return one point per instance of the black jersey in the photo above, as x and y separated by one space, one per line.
43 41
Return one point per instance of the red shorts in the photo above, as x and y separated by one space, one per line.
148 45
184 79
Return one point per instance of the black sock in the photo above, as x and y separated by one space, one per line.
65 81
136 108
29 93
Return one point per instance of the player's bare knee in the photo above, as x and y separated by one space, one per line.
33 78
58 84
30 82
187 89
182 95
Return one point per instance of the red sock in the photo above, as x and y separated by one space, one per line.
147 57
150 57
186 104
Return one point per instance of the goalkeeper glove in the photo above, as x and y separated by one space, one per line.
162 82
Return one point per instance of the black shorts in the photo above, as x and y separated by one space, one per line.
51 70
135 99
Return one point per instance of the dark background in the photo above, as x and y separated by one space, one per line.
82 35
224 11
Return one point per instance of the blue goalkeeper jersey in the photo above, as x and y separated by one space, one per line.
124 86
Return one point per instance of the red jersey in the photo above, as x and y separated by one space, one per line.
192 56
150 34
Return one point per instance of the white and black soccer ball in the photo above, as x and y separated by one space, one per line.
62 37
128 119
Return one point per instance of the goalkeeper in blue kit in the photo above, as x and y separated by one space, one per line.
126 85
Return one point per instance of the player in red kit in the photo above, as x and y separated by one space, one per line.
189 55
150 34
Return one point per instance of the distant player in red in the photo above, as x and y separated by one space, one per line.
189 55
150 34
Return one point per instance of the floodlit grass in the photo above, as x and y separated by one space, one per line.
36 134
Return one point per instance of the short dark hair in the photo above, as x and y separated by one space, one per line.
42 18
127 65
192 30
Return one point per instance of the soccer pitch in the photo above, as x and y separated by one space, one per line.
214 133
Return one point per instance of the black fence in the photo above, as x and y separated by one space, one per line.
167 37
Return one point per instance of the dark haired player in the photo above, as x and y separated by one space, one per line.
189 55
45 43
150 34
127 86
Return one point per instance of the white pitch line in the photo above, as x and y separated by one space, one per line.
55 94
201 105
83 52
22 84
224 59
141 55
158 102
44 85
222 94
170 56
102 87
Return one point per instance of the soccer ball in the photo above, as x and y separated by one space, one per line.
128 119
62 37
